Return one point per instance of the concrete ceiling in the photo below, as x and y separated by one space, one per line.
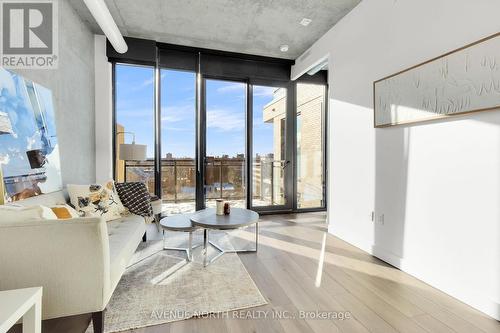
245 26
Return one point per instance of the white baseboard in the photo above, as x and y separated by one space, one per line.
481 303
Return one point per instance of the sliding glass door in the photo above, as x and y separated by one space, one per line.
310 146
271 162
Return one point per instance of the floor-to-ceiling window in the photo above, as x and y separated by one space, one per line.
134 117
222 127
178 140
225 142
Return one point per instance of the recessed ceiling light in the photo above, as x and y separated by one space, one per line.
305 22
284 48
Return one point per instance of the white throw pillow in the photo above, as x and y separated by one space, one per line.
96 200
10 213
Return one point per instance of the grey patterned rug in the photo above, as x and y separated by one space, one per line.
144 297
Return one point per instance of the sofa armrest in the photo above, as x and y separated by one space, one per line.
69 258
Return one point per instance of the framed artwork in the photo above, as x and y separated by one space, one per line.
29 150
462 81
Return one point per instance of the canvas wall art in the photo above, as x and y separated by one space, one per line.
29 150
462 81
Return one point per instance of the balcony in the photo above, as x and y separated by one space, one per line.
225 179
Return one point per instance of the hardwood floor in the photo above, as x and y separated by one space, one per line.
299 267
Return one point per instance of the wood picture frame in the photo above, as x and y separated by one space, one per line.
463 81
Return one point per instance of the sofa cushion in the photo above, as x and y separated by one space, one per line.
125 234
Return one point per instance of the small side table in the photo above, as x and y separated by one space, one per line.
21 303
180 223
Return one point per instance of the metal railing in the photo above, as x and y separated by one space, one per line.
225 178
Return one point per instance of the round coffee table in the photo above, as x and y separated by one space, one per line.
239 218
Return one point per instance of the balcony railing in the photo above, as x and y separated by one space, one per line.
225 179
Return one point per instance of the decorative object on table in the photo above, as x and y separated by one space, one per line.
143 292
227 208
96 200
23 303
208 220
131 151
462 81
135 196
29 149
219 206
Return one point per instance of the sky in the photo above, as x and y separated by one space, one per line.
225 112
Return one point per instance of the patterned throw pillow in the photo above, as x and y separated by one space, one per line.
136 198
96 200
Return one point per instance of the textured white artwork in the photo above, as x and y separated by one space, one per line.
466 80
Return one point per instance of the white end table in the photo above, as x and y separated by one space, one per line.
21 303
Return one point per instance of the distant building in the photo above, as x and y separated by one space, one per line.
310 104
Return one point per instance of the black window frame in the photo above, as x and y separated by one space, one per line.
148 53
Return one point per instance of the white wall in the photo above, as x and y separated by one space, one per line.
103 112
72 85
437 184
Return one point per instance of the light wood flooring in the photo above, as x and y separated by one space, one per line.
300 267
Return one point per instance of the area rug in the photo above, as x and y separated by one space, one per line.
144 297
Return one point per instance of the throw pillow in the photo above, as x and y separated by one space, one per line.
96 200
64 212
10 213
135 197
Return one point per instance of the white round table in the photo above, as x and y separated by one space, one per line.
238 218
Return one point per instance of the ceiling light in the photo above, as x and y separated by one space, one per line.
103 17
284 48
305 22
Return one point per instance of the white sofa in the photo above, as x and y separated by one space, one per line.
78 262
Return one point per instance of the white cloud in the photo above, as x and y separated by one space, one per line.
147 83
178 129
4 159
263 91
231 87
171 119
225 120
177 113
30 141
